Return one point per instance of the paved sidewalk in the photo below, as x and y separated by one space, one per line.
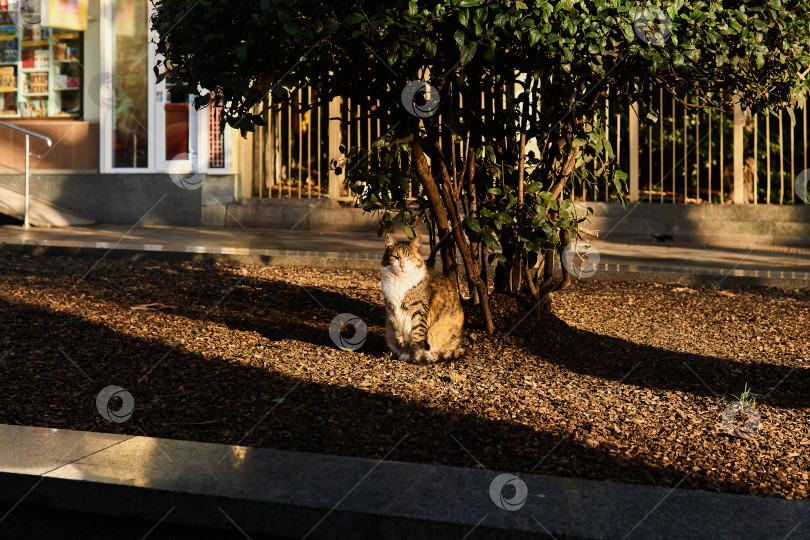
94 482
787 268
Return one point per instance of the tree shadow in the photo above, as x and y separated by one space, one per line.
211 399
278 310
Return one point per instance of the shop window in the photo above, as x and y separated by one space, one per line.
41 72
130 86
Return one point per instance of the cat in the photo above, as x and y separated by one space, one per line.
424 318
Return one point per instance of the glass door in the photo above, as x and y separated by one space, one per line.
177 142
129 74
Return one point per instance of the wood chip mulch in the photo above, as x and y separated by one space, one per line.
624 382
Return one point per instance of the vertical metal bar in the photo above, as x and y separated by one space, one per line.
607 138
633 142
309 143
618 143
697 154
319 155
300 143
368 138
674 161
756 159
661 141
279 157
289 152
26 223
359 127
768 159
722 165
649 163
792 160
804 135
685 155
334 133
781 161
258 161
709 170
738 153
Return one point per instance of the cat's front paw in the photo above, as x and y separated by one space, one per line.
422 356
405 357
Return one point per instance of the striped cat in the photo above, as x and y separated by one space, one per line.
423 310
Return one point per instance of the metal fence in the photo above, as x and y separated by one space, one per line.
688 156
709 156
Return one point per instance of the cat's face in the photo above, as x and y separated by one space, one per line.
403 258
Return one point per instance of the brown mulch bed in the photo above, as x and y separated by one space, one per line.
623 382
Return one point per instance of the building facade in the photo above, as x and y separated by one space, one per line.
81 73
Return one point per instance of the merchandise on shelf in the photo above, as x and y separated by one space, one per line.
34 108
10 54
59 51
8 77
41 59
36 83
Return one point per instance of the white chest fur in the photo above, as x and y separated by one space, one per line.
395 285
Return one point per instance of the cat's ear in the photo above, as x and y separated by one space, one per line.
416 243
390 241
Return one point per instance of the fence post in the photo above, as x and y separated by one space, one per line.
26 223
633 146
334 135
739 121
245 146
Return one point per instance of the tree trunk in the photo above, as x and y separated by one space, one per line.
435 200
442 212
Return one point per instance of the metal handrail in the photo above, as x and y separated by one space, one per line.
28 135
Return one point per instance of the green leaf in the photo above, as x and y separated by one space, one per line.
430 48
533 187
354 18
472 224
241 52
467 53
502 219
409 231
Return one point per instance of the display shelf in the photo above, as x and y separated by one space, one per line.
41 72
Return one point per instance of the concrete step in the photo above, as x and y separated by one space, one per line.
40 213
282 494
